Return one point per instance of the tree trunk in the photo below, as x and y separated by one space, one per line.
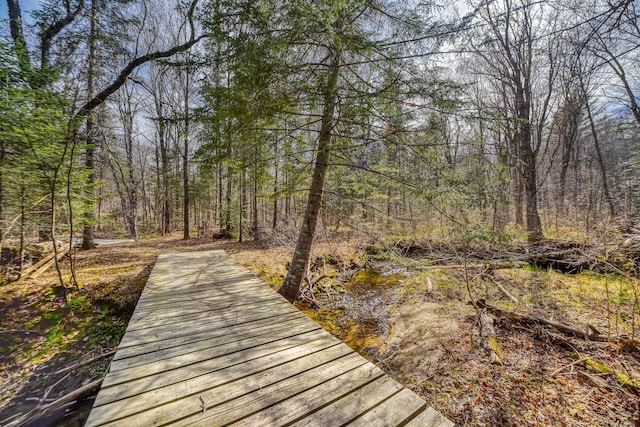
2 155
596 143
243 196
22 225
291 287
185 159
220 198
165 208
227 215
15 25
89 162
255 226
529 162
275 190
569 129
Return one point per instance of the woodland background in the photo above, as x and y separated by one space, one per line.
469 166
142 118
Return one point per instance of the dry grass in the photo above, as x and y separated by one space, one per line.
465 386
443 364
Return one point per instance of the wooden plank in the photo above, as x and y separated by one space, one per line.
307 402
189 289
165 318
210 290
177 405
209 344
208 334
44 264
29 270
151 390
430 418
352 405
393 411
256 397
240 349
210 297
250 338
144 336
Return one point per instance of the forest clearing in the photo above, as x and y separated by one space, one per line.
450 187
407 313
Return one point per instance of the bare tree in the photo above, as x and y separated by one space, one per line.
509 51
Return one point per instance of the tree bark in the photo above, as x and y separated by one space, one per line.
596 143
243 193
185 158
275 190
15 25
291 287
165 220
87 231
130 184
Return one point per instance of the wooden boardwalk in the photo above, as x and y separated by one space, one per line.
211 345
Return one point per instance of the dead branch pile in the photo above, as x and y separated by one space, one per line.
620 257
283 235
328 267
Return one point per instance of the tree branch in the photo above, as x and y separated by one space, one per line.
53 30
102 96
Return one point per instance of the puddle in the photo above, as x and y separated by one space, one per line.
374 280
359 316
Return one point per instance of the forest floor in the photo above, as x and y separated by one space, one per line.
408 313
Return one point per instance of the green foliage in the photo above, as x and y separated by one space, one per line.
50 294
264 98
38 154
107 333
79 304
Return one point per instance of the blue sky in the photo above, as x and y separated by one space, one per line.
25 7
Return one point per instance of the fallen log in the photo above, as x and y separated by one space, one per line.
29 270
486 266
589 333
522 318
487 338
593 381
61 252
43 265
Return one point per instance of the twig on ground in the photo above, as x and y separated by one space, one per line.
93 359
39 405
562 368
40 412
505 292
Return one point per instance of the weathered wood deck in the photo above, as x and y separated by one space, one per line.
209 344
